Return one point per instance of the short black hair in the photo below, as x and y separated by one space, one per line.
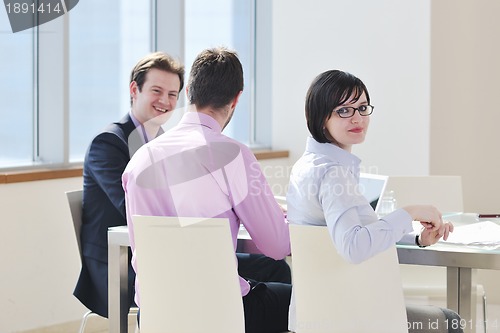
216 78
329 90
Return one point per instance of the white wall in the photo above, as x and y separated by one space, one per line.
386 43
40 261
465 85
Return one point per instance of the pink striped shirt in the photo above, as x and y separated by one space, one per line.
193 170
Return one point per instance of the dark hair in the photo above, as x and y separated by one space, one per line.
216 78
158 60
329 90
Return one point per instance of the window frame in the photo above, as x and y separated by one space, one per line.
51 80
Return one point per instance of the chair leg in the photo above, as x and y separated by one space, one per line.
482 293
484 312
134 311
84 321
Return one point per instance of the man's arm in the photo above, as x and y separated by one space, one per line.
260 213
107 158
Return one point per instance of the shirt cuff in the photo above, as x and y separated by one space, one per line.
402 221
408 239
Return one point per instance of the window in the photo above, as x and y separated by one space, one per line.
106 38
225 23
17 95
68 78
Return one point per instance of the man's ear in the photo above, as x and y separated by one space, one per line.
134 89
236 99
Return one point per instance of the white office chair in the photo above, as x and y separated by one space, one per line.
75 200
331 295
444 192
187 275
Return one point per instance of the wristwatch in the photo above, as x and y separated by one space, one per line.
417 241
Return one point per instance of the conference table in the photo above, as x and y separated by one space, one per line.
461 262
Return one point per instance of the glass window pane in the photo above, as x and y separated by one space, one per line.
106 39
16 94
224 23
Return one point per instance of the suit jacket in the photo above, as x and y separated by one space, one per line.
104 207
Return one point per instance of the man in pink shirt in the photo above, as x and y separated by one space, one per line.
195 170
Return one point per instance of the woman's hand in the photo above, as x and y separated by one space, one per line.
429 216
428 237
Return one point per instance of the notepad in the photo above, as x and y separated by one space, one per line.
485 234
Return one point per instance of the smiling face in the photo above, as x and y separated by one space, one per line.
346 132
158 96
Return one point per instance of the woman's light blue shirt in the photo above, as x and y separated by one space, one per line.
324 190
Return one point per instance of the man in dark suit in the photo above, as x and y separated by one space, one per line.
155 84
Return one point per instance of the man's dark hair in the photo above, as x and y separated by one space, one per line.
216 78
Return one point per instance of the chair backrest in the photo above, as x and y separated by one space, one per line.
75 200
444 192
188 280
332 295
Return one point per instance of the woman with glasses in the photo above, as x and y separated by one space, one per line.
323 188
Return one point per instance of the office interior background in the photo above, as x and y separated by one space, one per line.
431 67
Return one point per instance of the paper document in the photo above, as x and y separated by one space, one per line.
485 234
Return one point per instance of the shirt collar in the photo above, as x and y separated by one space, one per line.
139 127
335 154
198 118
134 119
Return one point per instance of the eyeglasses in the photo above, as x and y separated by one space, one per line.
348 111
